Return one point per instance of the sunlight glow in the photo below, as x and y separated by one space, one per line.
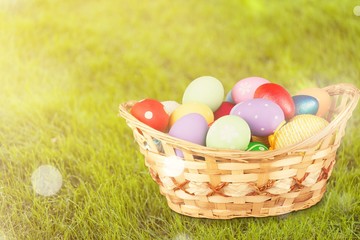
46 180
182 236
357 11
6 4
173 166
2 236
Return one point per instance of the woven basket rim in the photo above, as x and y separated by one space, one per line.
335 89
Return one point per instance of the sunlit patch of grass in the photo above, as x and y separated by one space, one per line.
66 65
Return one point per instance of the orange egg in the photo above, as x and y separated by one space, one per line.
323 98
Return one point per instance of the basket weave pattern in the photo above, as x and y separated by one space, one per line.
223 184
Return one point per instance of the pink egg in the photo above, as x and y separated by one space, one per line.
262 115
244 89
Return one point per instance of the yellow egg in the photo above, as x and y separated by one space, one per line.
296 130
192 107
323 98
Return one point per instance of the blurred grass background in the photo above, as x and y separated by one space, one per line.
65 66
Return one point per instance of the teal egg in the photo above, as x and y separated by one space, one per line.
207 90
229 132
256 146
305 104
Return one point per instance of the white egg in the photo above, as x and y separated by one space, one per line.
170 106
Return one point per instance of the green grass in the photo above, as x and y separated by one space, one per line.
65 66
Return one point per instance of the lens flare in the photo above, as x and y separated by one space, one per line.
357 11
182 236
46 180
2 236
173 166
6 4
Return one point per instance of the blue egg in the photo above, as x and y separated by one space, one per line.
229 97
305 104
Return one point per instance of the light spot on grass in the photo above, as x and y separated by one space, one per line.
5 5
357 11
7 2
182 236
173 166
283 216
346 202
2 236
46 180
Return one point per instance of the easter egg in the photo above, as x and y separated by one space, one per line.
207 90
170 106
323 98
262 115
158 145
229 98
223 110
256 146
193 107
152 113
191 127
305 104
279 95
229 132
244 89
298 129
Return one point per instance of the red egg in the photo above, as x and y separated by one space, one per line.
276 93
152 113
223 110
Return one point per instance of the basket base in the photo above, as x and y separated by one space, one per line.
232 210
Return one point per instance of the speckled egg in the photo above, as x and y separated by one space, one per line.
244 89
152 113
279 95
262 115
305 104
229 132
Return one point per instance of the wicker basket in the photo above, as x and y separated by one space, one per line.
224 184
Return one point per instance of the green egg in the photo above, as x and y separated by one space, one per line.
256 146
229 132
207 90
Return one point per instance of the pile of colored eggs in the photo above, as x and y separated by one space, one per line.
254 108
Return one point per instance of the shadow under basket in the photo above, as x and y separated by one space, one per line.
223 184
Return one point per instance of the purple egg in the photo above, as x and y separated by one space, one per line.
262 115
191 127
